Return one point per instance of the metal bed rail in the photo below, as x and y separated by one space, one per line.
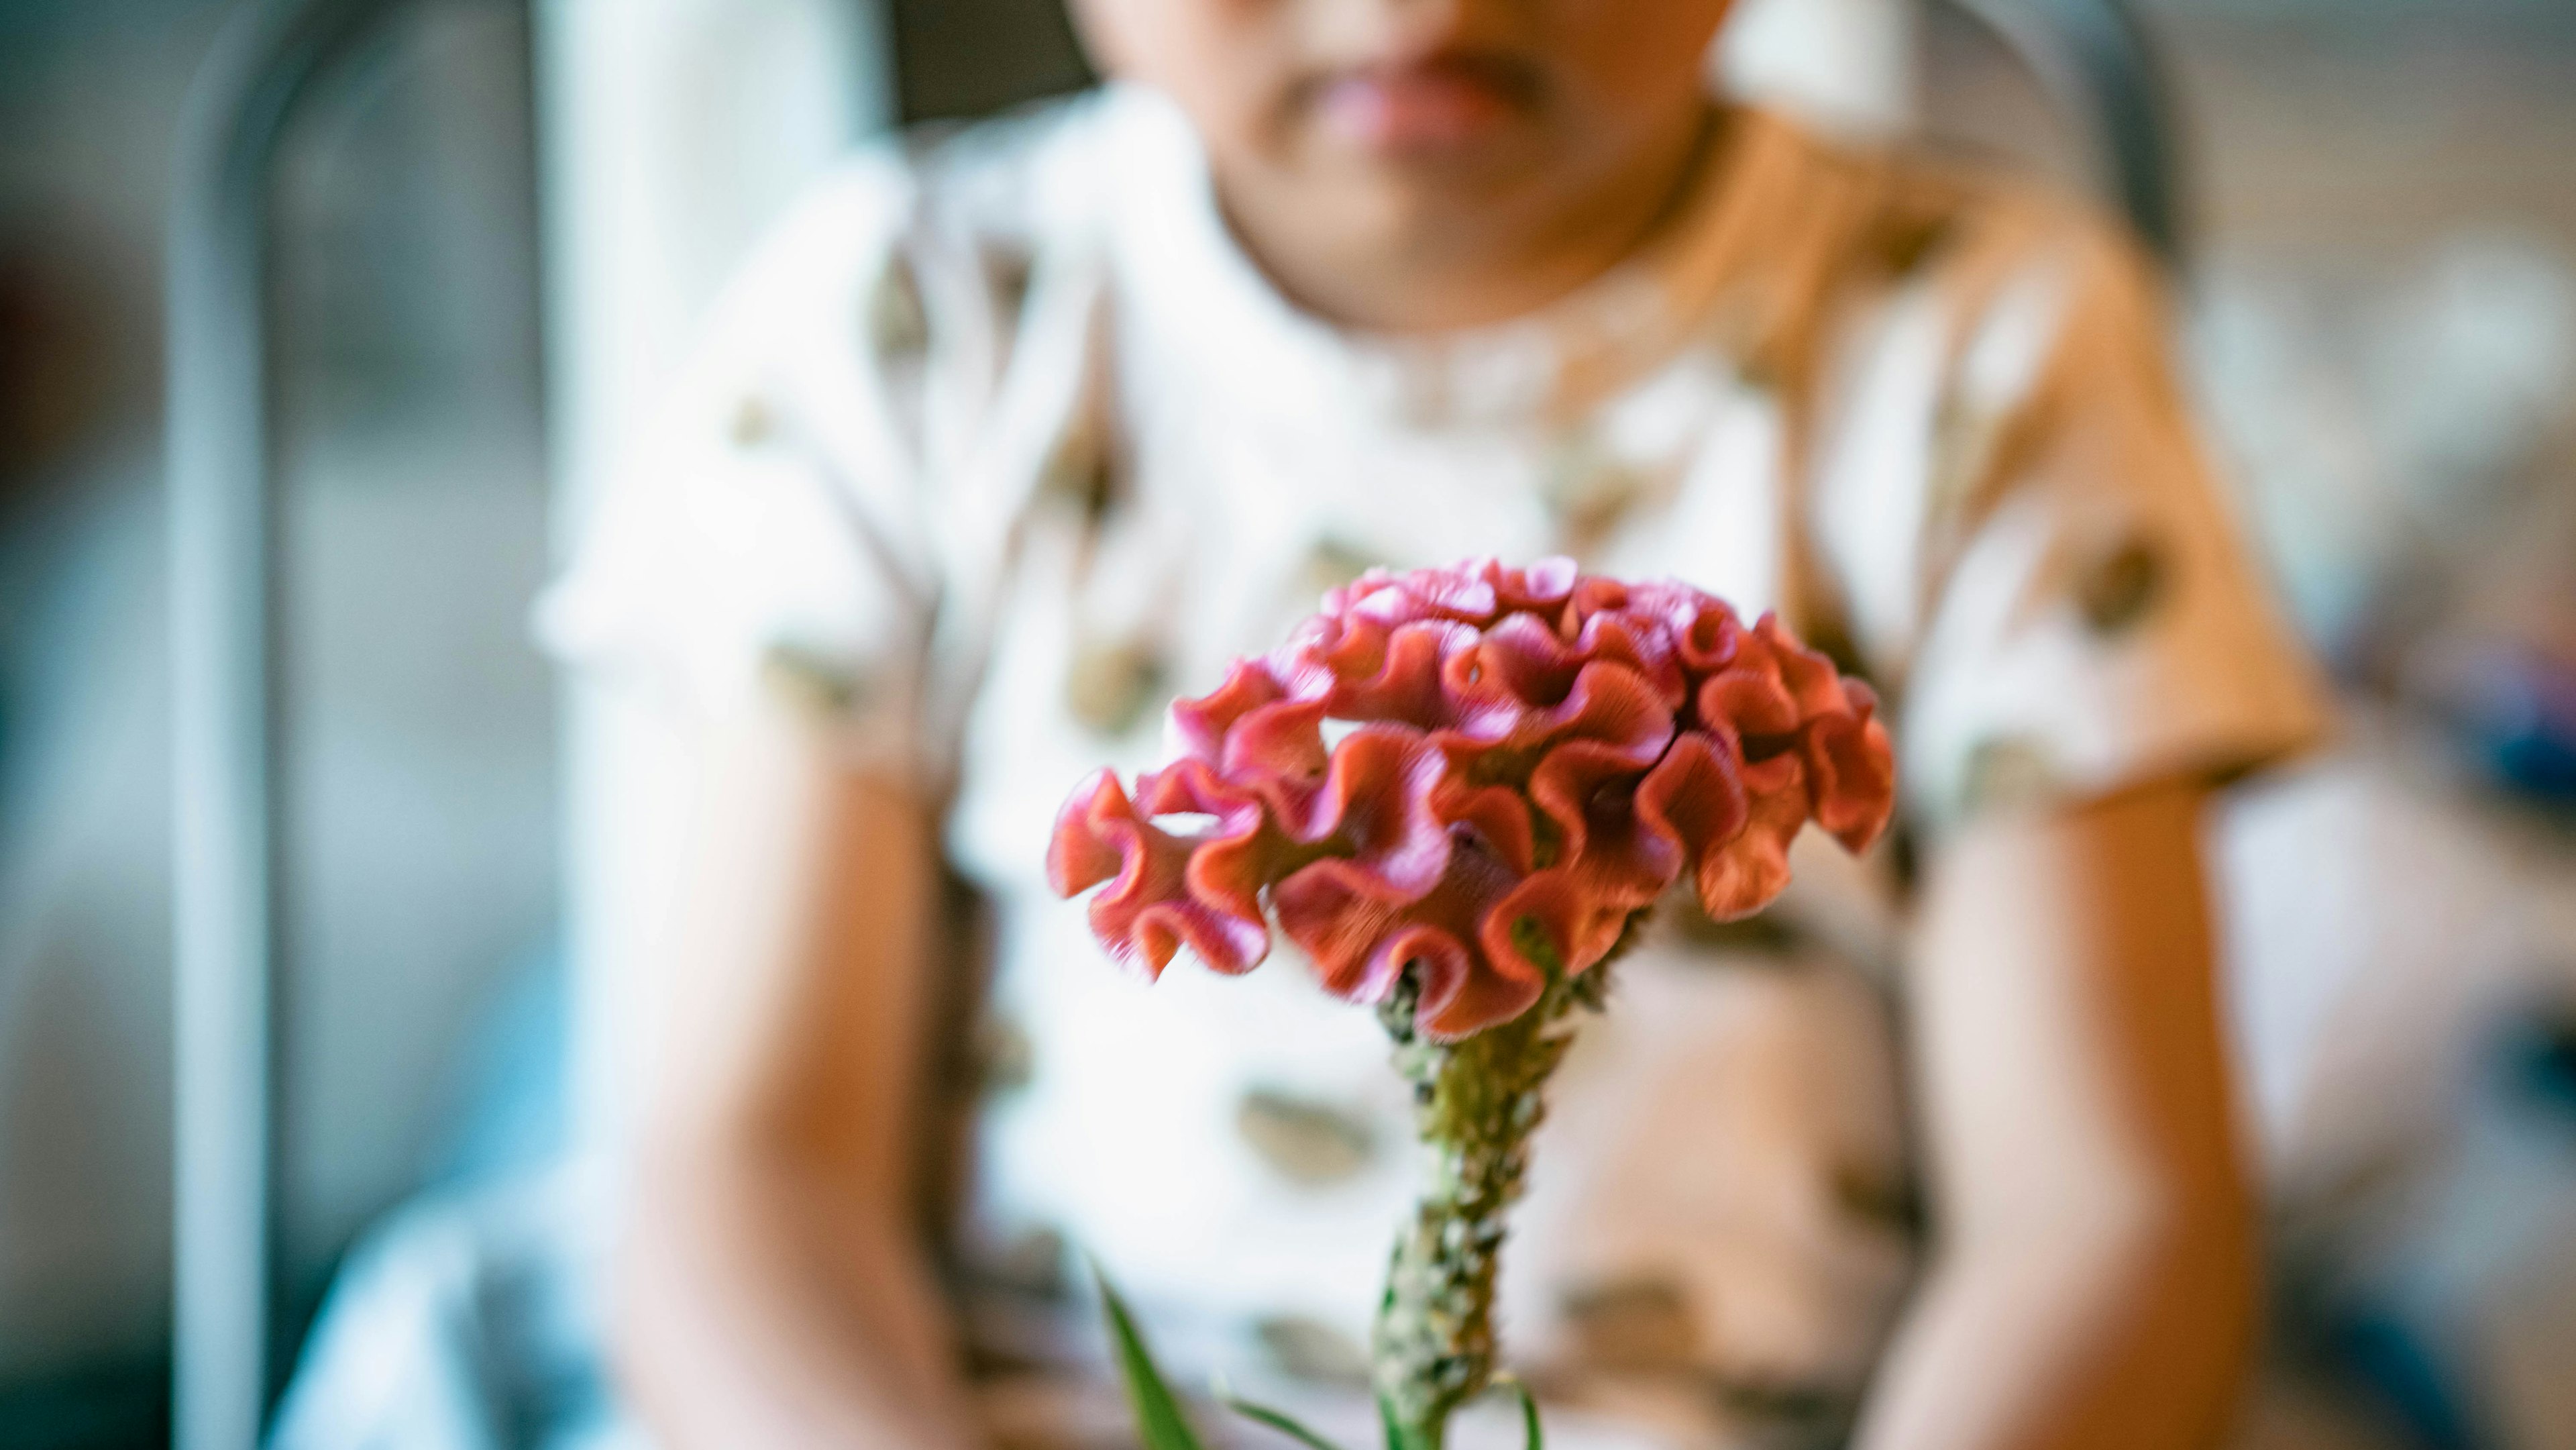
2097 60
224 644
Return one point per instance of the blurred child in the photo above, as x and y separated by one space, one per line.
1010 433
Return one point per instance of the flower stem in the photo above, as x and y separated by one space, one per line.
1477 1103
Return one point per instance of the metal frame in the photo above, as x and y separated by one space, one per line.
223 649
2096 57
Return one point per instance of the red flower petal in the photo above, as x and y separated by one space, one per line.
1405 686
1522 659
1697 793
1748 873
1464 593
1462 996
1593 594
1283 738
1642 643
1851 776
1536 751
1498 815
1150 908
1152 933
1613 704
1710 639
1583 782
1083 853
1202 724
1540 588
1810 677
1374 806
1751 702
1241 853
1146 914
1338 913
1578 925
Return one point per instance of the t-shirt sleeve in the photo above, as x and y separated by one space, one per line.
2038 556
764 529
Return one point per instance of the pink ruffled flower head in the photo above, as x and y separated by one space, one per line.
1524 758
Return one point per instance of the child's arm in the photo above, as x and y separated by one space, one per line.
771 1288
2094 1284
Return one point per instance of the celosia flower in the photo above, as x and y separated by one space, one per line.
1522 756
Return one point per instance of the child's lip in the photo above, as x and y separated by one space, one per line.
1437 103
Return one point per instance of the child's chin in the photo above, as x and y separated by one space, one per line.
1464 163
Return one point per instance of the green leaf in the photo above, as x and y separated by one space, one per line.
1262 1414
1529 1412
1158 1411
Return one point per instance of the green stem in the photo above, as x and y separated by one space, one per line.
1478 1102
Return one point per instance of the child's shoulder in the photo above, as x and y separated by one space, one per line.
937 229
945 191
1050 162
1848 229
1967 225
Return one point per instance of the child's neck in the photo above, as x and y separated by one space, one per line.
1391 260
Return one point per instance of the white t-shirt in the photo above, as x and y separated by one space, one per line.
1000 441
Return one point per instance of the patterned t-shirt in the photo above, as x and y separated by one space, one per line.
1000 442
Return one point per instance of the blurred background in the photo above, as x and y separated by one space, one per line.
493 223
